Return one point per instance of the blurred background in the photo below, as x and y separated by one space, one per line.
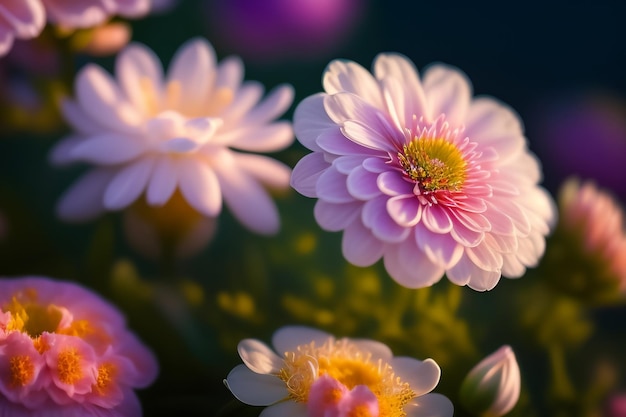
560 67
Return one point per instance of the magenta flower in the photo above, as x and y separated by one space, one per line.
21 19
421 174
155 135
65 351
87 13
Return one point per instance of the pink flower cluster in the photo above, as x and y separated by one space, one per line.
65 350
25 19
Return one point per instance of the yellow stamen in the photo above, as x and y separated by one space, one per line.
106 374
27 316
435 164
345 363
68 366
22 370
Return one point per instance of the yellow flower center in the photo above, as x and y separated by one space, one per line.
68 366
22 370
434 164
348 365
106 373
27 316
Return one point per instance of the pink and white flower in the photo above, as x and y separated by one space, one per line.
313 374
593 218
21 19
154 134
65 351
422 174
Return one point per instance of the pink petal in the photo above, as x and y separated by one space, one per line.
440 248
128 184
407 101
306 173
61 153
6 39
268 138
392 183
437 219
193 68
136 66
83 200
449 92
83 14
266 170
200 186
331 186
366 135
336 217
359 246
24 18
348 76
334 142
78 118
102 100
485 257
410 267
482 280
247 200
310 120
375 217
229 74
162 183
361 184
404 210
347 163
245 99
108 149
461 272
274 105
489 121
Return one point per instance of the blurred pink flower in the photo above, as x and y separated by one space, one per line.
21 19
149 133
593 217
422 174
616 406
74 14
65 351
273 29
317 375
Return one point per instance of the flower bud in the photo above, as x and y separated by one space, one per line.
492 387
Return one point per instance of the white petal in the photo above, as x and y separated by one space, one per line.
377 349
310 120
255 389
258 357
200 186
285 409
422 376
410 267
288 338
248 201
108 149
269 138
245 99
229 74
430 405
193 68
128 184
83 200
266 170
162 183
101 99
351 77
140 75
274 105
449 92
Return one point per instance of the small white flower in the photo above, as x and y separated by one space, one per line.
315 374
146 133
492 388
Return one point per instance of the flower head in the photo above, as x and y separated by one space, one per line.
64 349
421 174
315 375
492 387
588 249
149 133
23 19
